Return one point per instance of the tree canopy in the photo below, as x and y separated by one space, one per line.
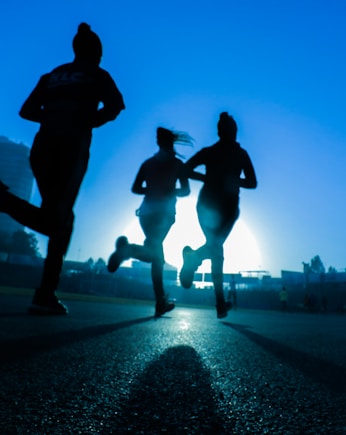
20 242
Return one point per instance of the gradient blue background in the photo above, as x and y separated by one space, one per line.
278 67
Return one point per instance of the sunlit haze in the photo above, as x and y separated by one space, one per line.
277 67
241 249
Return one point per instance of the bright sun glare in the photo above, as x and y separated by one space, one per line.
241 251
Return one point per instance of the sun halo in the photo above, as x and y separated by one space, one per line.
241 251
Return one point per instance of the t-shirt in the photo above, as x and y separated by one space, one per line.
67 100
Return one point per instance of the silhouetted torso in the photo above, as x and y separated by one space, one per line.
224 164
65 101
160 174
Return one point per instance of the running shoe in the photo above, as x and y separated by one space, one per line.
120 254
47 305
189 267
222 309
163 307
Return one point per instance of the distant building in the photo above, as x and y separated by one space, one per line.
15 171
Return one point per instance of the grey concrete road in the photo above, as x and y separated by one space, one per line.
111 368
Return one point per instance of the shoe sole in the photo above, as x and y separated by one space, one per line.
186 281
159 314
118 257
187 273
225 313
113 263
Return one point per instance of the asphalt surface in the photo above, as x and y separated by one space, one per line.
111 368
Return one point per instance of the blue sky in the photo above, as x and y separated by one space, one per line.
278 67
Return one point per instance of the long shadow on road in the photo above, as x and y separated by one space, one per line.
172 395
17 349
317 369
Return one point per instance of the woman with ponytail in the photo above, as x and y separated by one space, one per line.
157 180
218 203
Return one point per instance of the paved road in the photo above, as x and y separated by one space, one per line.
110 368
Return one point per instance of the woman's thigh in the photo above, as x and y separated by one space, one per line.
156 226
59 166
216 222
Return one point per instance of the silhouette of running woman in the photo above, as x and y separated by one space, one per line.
218 203
65 103
160 179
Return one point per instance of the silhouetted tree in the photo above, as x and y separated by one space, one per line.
90 263
99 265
316 265
23 243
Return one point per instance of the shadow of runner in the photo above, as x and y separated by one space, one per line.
313 367
173 395
18 349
